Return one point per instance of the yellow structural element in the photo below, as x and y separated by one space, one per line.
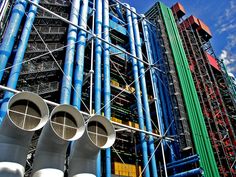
135 125
115 83
116 120
129 88
128 170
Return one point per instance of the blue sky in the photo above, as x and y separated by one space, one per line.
219 15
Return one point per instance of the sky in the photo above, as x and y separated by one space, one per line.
219 15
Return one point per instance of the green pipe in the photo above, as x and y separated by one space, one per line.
187 83
202 122
183 76
186 69
196 118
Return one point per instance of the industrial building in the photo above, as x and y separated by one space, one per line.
93 88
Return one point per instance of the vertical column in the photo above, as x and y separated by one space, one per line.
98 74
19 57
70 52
144 91
79 64
137 91
11 33
107 86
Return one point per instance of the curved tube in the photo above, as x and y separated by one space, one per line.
137 90
196 156
11 33
66 124
98 68
119 12
70 52
99 134
144 91
183 163
107 85
19 57
79 64
193 172
27 112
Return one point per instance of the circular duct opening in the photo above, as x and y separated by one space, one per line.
64 125
97 133
101 132
25 114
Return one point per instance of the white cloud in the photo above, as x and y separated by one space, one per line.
229 60
231 42
226 27
223 54
227 21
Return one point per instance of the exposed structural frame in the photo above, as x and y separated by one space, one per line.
82 27
89 115
196 119
88 32
213 106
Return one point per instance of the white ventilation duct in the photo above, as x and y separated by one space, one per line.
66 124
26 113
99 134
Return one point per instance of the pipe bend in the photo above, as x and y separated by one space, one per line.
99 134
26 113
127 5
66 124
133 9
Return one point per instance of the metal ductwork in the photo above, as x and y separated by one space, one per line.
66 124
26 113
99 134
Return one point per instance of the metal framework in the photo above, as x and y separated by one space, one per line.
170 81
213 106
42 73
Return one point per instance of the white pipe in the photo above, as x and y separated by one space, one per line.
26 113
66 124
99 134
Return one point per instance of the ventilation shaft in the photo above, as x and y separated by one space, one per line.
66 124
26 113
99 134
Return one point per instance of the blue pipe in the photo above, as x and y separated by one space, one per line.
183 163
193 172
119 12
167 97
196 156
144 91
174 148
79 63
98 70
11 33
159 84
19 57
169 118
166 111
116 19
70 52
107 85
137 90
154 79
